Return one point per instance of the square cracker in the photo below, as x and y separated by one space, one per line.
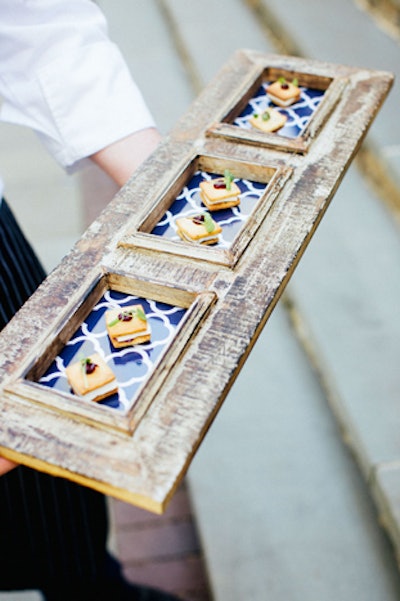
80 384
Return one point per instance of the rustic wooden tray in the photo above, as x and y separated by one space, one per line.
138 450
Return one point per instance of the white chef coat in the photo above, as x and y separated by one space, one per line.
62 76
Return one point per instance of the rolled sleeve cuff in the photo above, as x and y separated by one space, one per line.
91 101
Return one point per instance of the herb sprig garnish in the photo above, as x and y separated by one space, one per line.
228 179
141 314
128 315
206 220
85 362
265 116
283 80
209 223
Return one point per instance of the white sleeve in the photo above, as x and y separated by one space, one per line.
62 76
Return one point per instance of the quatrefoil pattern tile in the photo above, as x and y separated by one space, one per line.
188 202
131 365
298 114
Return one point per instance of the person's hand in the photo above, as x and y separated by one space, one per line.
6 465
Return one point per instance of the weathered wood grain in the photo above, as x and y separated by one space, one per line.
230 295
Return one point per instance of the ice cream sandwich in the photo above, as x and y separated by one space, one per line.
284 93
200 229
220 193
269 120
127 326
91 378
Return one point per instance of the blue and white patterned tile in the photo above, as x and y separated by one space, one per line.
188 202
298 114
131 365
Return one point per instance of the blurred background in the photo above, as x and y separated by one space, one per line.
288 494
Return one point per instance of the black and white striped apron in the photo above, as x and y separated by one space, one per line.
52 531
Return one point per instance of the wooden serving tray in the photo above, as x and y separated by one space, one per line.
207 304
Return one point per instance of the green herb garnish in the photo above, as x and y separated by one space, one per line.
84 362
114 322
282 80
208 223
132 313
228 179
140 314
266 116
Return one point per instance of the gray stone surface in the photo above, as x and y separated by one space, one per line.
22 596
141 32
44 198
213 31
281 507
385 484
347 288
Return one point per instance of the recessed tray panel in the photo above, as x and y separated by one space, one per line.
298 114
188 203
319 94
259 186
132 365
172 314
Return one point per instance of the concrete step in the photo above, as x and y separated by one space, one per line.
21 596
281 507
386 14
44 198
346 291
145 40
210 32
351 312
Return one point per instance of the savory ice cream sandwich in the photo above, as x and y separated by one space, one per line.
284 93
268 120
200 229
91 378
220 193
127 326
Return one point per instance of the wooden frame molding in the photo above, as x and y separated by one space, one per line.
141 453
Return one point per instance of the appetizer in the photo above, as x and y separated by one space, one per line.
269 120
284 93
220 193
91 378
127 326
200 229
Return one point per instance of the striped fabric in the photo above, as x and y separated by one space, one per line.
20 271
52 532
